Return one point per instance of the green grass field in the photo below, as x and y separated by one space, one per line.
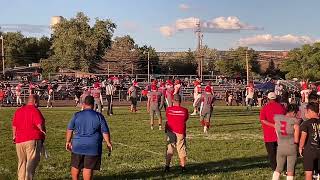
233 148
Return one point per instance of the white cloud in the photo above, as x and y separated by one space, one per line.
269 41
167 31
184 7
216 25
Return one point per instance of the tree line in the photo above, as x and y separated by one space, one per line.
76 45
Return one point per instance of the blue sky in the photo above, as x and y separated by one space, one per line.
261 24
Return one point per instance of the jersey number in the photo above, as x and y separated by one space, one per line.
154 98
283 128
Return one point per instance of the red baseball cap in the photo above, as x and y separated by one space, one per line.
208 89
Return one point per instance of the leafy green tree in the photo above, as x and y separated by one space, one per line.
233 62
303 63
143 60
183 65
13 48
78 46
123 55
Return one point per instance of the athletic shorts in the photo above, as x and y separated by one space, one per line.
311 158
133 101
196 100
84 161
155 112
178 142
206 115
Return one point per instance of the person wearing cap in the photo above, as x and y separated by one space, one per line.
28 131
18 94
169 93
196 95
50 96
177 87
206 108
154 104
85 134
96 93
177 117
267 114
133 95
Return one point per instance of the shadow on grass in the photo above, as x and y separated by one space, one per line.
201 169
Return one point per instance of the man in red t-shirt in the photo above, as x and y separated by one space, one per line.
28 130
176 132
267 114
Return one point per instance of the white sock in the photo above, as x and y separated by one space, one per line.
276 175
289 177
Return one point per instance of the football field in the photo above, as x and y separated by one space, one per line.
233 148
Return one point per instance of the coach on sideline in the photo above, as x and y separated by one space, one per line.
176 132
28 130
267 114
87 129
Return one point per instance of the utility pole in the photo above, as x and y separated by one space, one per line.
247 66
199 47
148 67
2 54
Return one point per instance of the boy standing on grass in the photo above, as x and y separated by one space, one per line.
309 146
154 104
287 129
176 132
87 129
206 108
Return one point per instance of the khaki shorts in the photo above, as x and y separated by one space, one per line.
178 142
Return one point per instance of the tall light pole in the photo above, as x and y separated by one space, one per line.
247 66
148 67
2 53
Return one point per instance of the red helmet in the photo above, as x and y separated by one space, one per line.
96 85
177 81
155 82
208 89
153 87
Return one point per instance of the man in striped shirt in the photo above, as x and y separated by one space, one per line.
110 89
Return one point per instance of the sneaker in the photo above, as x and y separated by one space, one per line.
160 128
193 114
167 169
183 169
151 127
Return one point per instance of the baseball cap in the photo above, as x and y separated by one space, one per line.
208 89
272 95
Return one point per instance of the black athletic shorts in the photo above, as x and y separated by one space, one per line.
133 101
311 159
84 161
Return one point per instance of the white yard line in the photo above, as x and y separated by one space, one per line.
132 147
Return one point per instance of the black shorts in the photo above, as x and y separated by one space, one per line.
84 161
133 101
311 159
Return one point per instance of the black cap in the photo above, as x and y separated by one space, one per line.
89 100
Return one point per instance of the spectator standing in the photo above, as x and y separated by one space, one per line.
28 129
177 117
18 94
84 137
110 90
267 114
